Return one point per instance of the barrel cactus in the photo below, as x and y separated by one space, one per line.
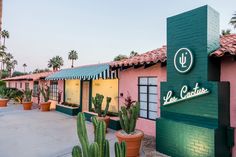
100 147
97 102
128 117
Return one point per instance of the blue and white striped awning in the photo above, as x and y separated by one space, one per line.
90 72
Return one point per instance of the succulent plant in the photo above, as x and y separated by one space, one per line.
97 102
27 95
128 117
46 93
100 147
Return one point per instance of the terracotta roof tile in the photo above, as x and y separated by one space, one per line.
36 76
154 56
227 46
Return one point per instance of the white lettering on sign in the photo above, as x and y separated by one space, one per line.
184 94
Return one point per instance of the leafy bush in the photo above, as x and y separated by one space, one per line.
11 93
2 83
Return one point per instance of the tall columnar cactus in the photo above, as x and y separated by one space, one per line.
120 149
97 102
100 147
128 117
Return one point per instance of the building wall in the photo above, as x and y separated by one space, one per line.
228 67
128 82
72 91
41 83
108 88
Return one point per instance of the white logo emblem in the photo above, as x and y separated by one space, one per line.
183 60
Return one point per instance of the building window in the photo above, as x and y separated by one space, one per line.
27 86
53 90
36 88
15 84
21 85
148 97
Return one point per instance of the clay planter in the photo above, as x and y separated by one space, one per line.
3 102
27 105
133 142
106 120
45 106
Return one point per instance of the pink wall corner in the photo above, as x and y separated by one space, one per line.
228 67
128 82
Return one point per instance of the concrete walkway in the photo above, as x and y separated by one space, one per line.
40 134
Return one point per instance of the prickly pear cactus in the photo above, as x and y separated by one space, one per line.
128 117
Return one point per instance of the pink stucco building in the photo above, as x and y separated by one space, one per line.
34 82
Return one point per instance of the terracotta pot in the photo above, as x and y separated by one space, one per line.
3 102
106 120
45 106
27 105
133 142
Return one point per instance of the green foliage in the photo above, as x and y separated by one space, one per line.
120 57
2 83
27 95
40 70
18 95
225 32
18 73
46 93
97 102
128 117
5 74
100 147
73 55
56 62
11 93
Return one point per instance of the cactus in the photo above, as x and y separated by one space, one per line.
46 93
100 147
97 102
128 117
120 149
182 60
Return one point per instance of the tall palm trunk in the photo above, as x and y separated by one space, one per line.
72 66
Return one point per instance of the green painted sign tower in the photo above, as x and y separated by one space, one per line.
194 103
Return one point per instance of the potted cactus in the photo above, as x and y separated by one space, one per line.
97 102
45 106
27 103
128 117
100 147
4 96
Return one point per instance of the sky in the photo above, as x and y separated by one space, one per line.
98 30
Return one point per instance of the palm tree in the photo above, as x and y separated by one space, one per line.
2 55
10 66
73 55
225 32
5 34
8 57
133 53
55 63
233 20
120 57
24 66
